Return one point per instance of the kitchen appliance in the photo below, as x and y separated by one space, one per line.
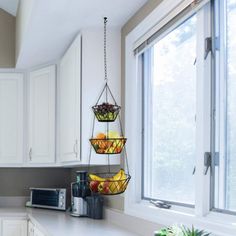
50 198
79 191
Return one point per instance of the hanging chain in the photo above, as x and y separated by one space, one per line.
105 47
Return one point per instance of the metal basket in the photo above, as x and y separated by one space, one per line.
108 146
106 115
105 185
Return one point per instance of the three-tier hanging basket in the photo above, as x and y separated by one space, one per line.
108 183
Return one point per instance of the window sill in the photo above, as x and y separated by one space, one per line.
217 223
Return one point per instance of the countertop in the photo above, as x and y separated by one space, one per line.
56 223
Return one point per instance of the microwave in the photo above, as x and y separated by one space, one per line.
49 198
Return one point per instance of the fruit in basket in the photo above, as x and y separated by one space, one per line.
96 178
106 108
94 185
112 143
101 136
113 134
106 188
103 187
116 184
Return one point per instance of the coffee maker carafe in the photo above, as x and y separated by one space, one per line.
79 191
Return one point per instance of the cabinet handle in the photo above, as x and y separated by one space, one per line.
30 154
75 148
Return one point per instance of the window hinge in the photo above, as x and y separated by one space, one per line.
208 47
160 204
208 161
217 43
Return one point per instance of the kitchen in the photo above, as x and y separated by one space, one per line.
86 136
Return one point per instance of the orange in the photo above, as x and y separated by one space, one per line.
101 136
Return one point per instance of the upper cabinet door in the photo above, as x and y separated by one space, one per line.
41 147
11 118
69 103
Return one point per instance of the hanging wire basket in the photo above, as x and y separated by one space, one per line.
108 146
106 112
109 183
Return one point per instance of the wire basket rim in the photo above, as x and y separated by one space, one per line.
114 105
107 139
128 177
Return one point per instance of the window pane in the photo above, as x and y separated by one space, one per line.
231 111
225 185
169 116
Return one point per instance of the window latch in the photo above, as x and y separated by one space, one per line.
160 204
208 47
208 161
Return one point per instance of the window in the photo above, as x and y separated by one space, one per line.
180 115
225 174
169 93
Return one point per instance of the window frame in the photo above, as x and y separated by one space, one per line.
201 216
219 98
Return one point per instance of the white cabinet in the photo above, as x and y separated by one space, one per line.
37 232
33 230
69 103
41 148
30 229
11 118
11 227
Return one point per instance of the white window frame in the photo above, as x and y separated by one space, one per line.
201 216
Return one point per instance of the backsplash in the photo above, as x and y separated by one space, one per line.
17 181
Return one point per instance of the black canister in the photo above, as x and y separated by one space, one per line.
95 207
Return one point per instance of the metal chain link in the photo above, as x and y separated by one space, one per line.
105 48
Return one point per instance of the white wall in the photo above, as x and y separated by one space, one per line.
93 78
22 22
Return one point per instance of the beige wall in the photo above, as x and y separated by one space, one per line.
17 181
7 40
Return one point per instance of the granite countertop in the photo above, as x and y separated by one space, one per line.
56 223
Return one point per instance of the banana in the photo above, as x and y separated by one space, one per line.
96 178
118 175
116 184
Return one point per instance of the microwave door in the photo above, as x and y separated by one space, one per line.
46 198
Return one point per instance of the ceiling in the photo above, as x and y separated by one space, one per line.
54 23
9 6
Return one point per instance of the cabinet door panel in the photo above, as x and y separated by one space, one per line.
30 229
14 228
11 118
42 116
70 103
37 232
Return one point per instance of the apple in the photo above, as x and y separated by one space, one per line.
94 185
106 188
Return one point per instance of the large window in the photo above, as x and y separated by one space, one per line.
169 93
181 115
